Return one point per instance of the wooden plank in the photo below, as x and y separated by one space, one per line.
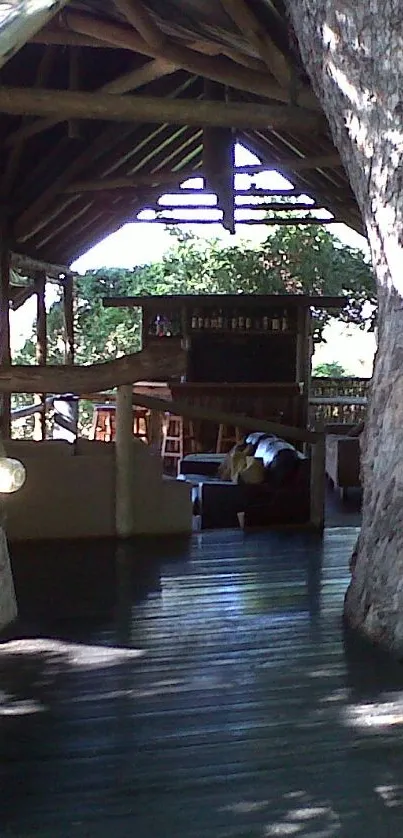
21 21
239 706
67 104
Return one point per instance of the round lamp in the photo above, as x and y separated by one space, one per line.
12 475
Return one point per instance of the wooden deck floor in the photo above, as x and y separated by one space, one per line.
209 692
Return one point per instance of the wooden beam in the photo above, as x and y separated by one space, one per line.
150 364
23 21
5 350
222 70
19 294
88 156
269 222
122 84
274 206
247 423
150 71
248 24
56 36
62 37
219 160
139 17
41 352
173 301
14 156
28 264
74 84
101 106
290 164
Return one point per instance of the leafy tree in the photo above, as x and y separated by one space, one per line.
332 369
291 260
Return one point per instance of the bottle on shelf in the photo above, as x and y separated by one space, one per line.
214 320
234 321
220 320
159 326
200 320
206 321
241 322
248 322
275 322
265 323
195 319
284 321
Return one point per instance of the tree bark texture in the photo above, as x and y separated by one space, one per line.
353 52
157 362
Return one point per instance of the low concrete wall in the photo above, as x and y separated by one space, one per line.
70 492
8 605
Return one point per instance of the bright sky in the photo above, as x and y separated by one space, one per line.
141 243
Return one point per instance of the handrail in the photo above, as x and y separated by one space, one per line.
31 409
219 417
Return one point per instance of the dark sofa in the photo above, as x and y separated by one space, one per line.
282 499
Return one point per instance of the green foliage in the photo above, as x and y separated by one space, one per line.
330 370
292 259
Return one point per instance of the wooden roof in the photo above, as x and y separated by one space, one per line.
108 94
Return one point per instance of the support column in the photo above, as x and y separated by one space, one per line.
68 320
318 483
41 351
5 350
124 465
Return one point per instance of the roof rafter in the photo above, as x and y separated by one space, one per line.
218 69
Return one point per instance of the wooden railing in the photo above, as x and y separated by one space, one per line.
338 401
79 380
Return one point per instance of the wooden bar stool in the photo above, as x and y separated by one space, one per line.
177 440
141 424
227 437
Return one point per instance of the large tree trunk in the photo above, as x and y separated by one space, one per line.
353 52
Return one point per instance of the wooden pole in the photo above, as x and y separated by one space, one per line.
5 349
41 351
68 104
318 485
124 462
68 303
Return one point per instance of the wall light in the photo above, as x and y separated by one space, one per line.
12 475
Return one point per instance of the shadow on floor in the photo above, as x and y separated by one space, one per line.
194 690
